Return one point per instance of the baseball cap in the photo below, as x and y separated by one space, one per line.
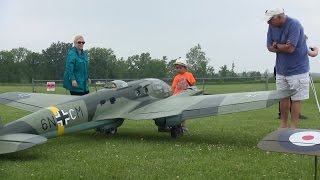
270 13
181 61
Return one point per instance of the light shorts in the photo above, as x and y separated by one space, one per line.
298 82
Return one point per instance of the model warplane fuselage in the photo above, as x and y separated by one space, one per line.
105 110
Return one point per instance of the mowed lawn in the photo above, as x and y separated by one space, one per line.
221 147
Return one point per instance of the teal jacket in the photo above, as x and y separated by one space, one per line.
77 68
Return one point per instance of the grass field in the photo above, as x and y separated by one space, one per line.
222 147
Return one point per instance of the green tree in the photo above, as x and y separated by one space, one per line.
232 73
210 72
102 63
171 71
197 61
224 72
7 65
121 69
19 57
55 59
34 66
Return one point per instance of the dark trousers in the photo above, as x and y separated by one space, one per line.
74 93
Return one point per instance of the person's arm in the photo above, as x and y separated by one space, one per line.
293 38
313 51
286 48
174 84
273 48
88 69
192 80
70 69
271 45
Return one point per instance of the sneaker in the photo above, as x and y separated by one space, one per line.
185 129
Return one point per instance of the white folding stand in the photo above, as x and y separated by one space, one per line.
314 92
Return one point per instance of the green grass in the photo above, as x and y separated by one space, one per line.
222 147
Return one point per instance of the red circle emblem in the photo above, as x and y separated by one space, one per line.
307 137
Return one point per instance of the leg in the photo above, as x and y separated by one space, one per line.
284 109
74 93
279 111
295 112
184 127
86 92
282 84
176 131
300 83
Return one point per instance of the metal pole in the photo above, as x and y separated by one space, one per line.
315 167
267 82
203 86
33 90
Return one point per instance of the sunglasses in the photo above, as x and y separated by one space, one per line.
81 42
179 67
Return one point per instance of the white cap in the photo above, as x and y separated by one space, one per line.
181 61
270 13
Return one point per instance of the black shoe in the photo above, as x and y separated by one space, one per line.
164 129
302 117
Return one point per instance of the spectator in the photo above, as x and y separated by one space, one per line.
286 39
76 76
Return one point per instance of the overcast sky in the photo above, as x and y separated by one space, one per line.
228 31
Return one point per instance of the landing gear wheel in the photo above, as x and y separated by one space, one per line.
111 131
176 131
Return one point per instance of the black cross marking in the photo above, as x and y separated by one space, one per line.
62 117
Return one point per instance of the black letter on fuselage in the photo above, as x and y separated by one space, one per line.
44 124
79 110
52 121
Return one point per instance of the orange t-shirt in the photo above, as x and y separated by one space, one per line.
182 82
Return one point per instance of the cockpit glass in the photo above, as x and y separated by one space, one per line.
116 84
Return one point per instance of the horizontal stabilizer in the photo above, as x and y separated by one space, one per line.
296 141
16 142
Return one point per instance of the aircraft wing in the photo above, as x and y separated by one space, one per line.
297 141
208 105
16 142
32 101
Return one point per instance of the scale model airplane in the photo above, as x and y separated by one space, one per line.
105 110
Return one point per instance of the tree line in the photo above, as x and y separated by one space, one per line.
20 65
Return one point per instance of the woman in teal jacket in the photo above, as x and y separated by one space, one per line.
76 76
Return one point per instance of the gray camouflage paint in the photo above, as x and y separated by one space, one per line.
142 99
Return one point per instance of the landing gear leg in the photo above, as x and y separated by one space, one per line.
176 131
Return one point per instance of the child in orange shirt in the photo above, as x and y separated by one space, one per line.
182 80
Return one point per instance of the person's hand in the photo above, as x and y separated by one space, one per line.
288 42
89 81
274 44
314 49
74 83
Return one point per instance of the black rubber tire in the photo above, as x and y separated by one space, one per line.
176 131
113 131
